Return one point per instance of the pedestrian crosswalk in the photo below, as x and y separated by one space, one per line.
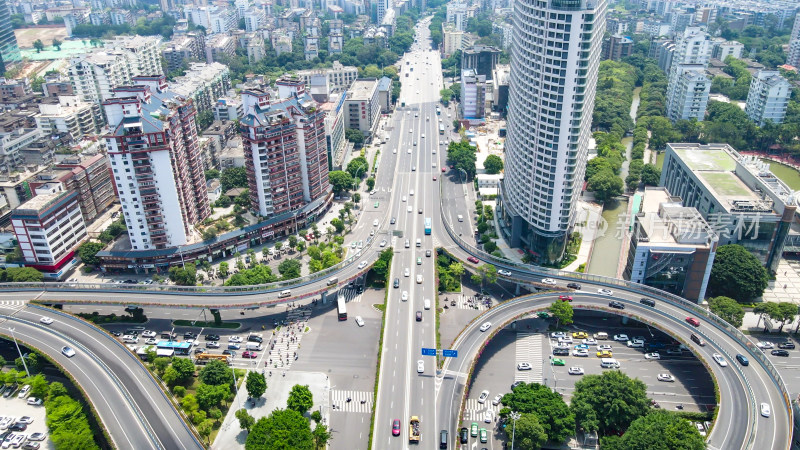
360 401
529 349
466 302
351 295
12 304
476 412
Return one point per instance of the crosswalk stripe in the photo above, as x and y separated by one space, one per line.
476 412
12 304
360 401
529 349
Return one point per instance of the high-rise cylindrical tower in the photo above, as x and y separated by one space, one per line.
554 60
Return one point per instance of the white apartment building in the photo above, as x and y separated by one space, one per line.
213 18
203 83
339 77
452 39
361 107
722 48
473 94
506 30
49 227
254 19
793 58
551 99
70 115
689 95
145 53
94 75
457 14
768 97
692 52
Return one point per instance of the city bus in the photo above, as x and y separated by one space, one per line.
441 128
427 225
341 307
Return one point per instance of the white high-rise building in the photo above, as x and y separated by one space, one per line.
793 59
692 53
95 75
555 55
768 97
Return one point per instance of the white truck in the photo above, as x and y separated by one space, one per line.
254 346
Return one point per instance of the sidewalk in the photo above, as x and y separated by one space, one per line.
590 218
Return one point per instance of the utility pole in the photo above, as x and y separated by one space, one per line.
514 416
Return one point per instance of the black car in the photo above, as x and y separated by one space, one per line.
212 337
786 345
616 305
419 316
742 360
396 283
428 253
560 351
199 350
116 333
189 335
19 426
229 352
516 383
574 286
463 435
255 338
780 353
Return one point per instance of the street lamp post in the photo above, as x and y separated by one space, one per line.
514 416
20 352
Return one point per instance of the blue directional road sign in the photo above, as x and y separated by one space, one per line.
450 353
428 351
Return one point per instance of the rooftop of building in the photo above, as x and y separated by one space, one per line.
362 89
719 166
667 222
40 202
481 48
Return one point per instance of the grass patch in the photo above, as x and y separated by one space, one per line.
95 317
200 323
380 307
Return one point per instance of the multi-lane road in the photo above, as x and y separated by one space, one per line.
138 415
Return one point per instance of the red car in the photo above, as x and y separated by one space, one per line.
251 355
396 427
473 260
434 178
444 169
693 321
565 298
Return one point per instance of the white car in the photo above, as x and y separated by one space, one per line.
565 340
580 352
635 344
410 209
419 278
235 339
375 223
562 345
487 416
359 321
666 377
603 291
212 344
46 320
557 334
409 151
765 345
407 272
68 351
482 398
621 337
524 366
504 273
24 391
383 243
362 264
719 359
486 326
33 401
549 281
404 198
420 366
404 296
496 399
590 341
765 410
576 370
148 334
652 356
151 341
603 347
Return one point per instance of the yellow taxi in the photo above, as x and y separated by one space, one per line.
604 354
580 335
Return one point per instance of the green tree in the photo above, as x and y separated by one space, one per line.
605 185
321 435
38 45
340 180
246 421
493 164
610 401
553 415
170 376
660 430
215 373
728 309
282 429
184 369
209 396
223 269
56 389
562 311
338 224
651 175
293 241
184 276
485 273
462 156
370 183
88 252
256 384
737 274
205 428
289 269
780 312
300 399
23 275
528 432
211 174
234 177
353 135
357 167
57 44
39 386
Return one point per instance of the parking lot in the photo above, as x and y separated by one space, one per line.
11 411
691 387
